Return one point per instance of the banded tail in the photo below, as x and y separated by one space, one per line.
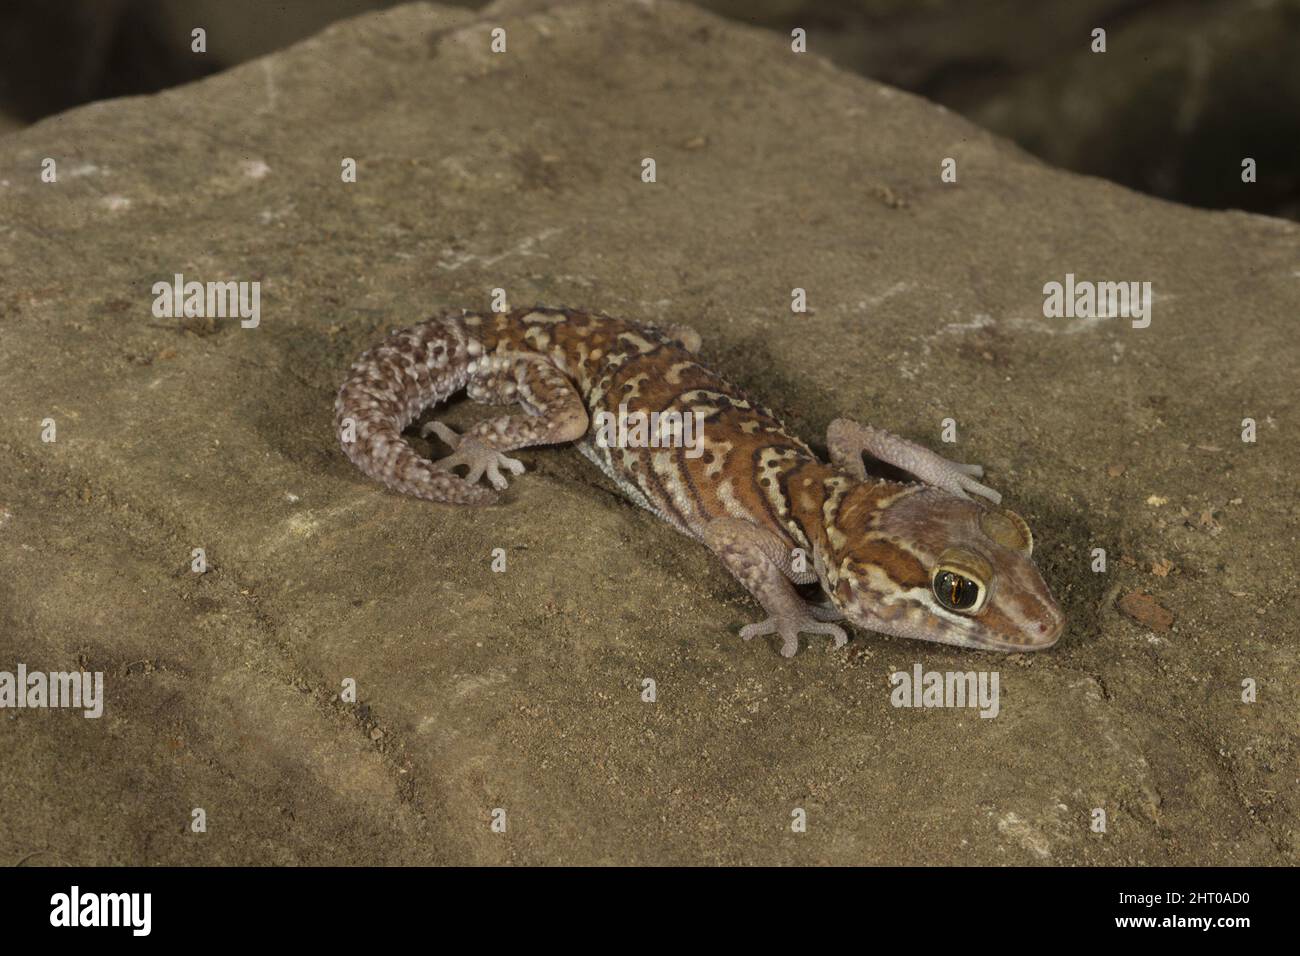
387 388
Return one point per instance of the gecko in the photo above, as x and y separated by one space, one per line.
816 543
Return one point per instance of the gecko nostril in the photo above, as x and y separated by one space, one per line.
1049 629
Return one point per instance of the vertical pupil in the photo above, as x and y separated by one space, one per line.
961 592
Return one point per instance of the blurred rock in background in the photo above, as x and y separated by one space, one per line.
1186 90
54 56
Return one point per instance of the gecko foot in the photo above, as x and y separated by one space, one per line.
477 457
789 626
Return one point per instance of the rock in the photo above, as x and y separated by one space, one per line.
1144 609
1183 93
521 690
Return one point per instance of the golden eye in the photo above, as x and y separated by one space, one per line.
956 592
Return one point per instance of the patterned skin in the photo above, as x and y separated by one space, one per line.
920 560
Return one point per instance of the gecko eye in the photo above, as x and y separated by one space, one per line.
957 592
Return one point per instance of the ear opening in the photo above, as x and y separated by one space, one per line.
1008 529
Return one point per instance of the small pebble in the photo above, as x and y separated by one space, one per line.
1144 609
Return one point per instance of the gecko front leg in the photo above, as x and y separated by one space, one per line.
761 562
846 440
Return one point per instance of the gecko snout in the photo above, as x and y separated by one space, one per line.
1047 631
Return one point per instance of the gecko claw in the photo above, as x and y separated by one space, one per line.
479 459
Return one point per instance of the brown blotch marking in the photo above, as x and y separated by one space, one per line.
684 469
860 504
754 487
901 566
804 506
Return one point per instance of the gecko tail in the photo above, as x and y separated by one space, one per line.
386 389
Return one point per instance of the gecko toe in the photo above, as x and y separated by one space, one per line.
970 484
824 627
789 628
512 465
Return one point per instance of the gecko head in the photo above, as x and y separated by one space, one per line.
921 563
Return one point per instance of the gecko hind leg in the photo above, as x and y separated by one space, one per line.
759 561
477 457
847 440
553 413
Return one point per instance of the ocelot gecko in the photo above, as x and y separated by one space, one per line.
921 560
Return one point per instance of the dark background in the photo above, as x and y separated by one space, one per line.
1217 80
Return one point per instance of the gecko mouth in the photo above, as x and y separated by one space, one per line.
1039 633
1046 635
1003 647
